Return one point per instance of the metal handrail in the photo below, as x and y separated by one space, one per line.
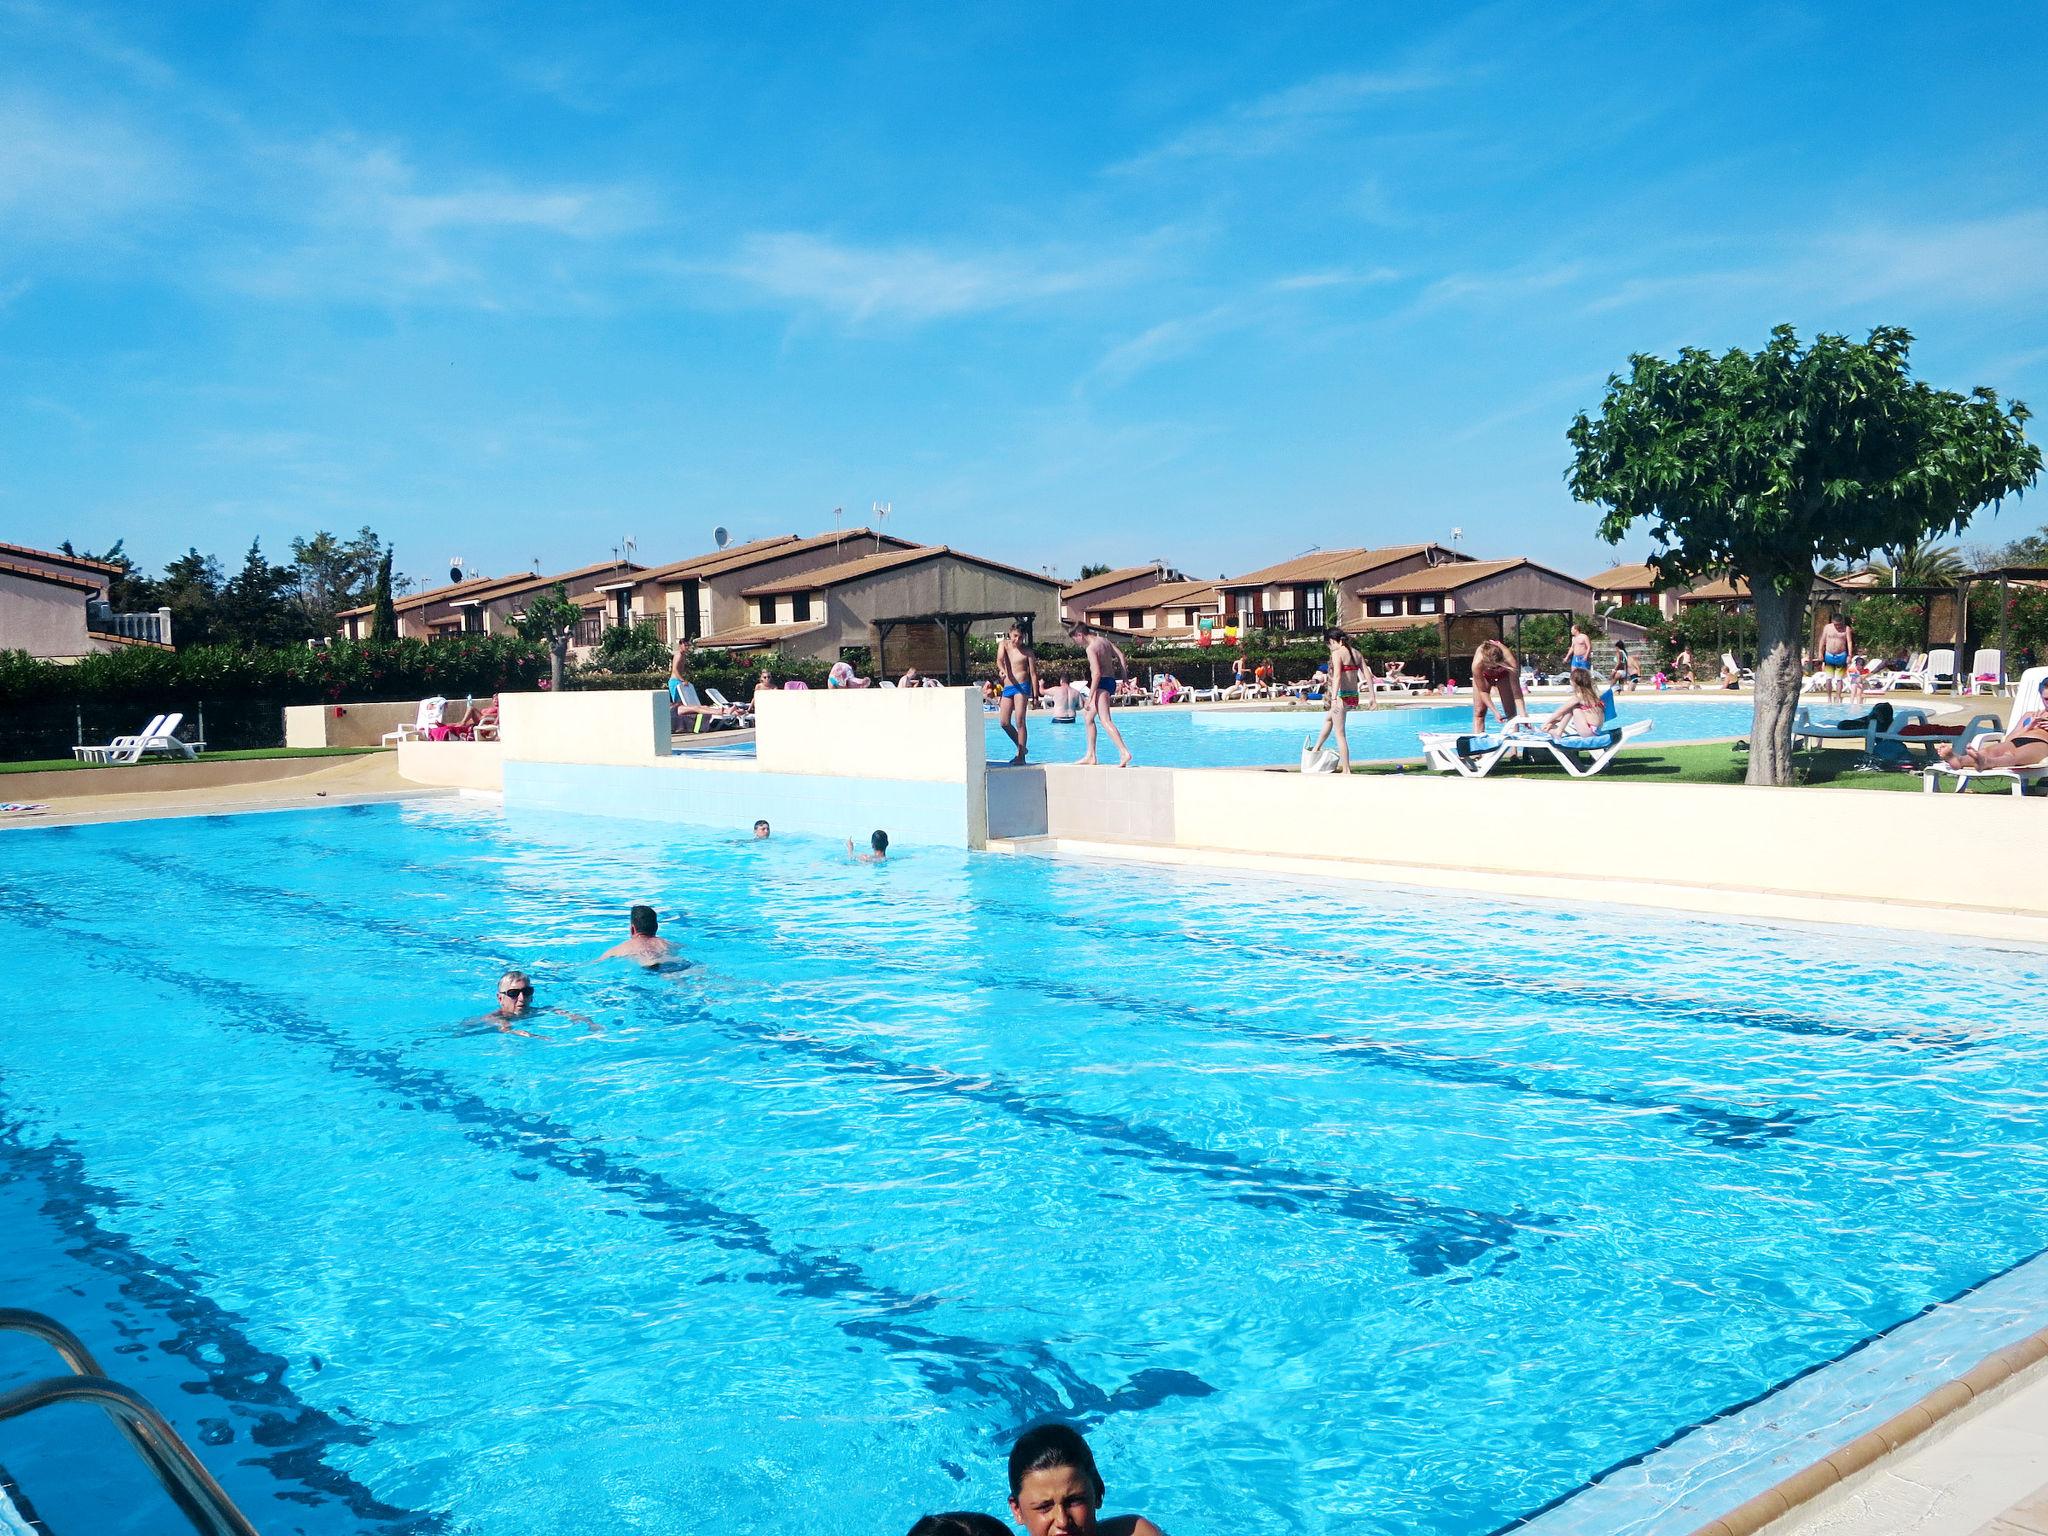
191 1487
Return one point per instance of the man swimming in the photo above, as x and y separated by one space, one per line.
1055 1489
643 945
1017 671
760 829
878 849
1106 665
515 1003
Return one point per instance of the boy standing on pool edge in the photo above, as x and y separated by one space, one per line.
1105 665
1017 671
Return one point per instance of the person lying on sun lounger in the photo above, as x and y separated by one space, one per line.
2026 747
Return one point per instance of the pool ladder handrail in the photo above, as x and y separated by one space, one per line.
191 1487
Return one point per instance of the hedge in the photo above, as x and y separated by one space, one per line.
46 708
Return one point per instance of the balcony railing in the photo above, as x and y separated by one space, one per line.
154 627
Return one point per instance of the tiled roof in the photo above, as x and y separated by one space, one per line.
1733 589
1627 578
1089 584
54 578
871 565
752 636
428 598
58 557
727 561
513 586
683 570
1448 578
1170 594
1327 565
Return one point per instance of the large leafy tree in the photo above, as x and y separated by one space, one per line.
1763 463
334 573
550 620
256 606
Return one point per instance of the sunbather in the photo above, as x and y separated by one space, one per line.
2025 747
1585 714
1495 674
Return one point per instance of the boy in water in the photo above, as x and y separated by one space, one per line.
878 849
1017 671
1106 664
642 945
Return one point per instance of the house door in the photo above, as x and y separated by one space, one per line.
693 613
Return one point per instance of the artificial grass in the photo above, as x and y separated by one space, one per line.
68 764
1713 762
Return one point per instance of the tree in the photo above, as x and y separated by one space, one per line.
2030 549
632 648
1763 463
550 620
384 620
128 591
256 607
333 574
1092 570
1921 563
191 589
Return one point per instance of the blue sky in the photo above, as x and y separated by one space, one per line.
1061 282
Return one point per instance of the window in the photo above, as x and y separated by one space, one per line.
800 607
1310 606
764 610
1425 605
1386 605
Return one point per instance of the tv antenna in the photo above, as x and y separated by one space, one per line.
721 536
837 514
631 545
881 510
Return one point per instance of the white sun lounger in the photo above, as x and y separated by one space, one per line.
430 715
125 745
2025 696
1987 671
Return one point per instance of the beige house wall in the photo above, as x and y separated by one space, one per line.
1105 599
44 620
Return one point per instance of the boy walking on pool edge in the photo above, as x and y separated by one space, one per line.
1106 665
1017 671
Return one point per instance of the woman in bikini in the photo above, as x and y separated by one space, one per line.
1348 672
1496 672
2026 747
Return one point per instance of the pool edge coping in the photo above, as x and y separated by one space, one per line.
1945 1405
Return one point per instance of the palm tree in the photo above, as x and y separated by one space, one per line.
1922 564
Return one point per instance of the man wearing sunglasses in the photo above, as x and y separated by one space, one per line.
515 1002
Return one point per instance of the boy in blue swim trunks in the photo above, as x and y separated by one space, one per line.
1580 658
1837 645
1017 672
1106 665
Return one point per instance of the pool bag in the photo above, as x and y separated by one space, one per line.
1315 761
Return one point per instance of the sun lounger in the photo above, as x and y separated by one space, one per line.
1471 757
1584 756
121 744
1987 671
429 716
1730 664
2024 697
160 738
1938 673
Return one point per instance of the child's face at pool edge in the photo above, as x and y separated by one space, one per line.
1055 1501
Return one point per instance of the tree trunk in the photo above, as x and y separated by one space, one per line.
558 657
1781 637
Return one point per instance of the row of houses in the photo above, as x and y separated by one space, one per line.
908 604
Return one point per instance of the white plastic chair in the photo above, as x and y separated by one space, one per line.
431 712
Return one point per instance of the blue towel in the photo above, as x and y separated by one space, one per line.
1472 746
1593 743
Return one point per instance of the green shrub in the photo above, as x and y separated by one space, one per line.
631 648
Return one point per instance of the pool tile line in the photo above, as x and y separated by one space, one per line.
1734 1129
1435 1239
2007 1361
945 1363
209 1338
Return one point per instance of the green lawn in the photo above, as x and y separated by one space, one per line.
1717 762
67 764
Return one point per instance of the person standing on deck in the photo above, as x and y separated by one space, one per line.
1347 670
1581 654
1106 664
1017 671
1495 672
1837 645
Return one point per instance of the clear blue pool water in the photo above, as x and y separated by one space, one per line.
1325 1208
1252 738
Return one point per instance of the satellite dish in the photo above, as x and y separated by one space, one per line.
455 567
720 536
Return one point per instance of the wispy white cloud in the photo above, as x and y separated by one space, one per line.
1270 124
1166 341
66 173
1480 290
1335 277
362 222
917 283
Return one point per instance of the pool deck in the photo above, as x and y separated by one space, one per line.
326 781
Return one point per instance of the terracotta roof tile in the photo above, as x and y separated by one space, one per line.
1089 584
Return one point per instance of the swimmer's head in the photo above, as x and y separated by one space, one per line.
760 829
515 992
645 922
879 841
960 1522
1053 1482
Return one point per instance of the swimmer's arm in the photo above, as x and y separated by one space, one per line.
506 1029
616 952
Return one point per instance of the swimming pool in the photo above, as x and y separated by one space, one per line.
1324 1207
1254 738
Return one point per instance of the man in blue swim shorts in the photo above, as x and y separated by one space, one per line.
1017 672
1580 658
1106 664
1837 645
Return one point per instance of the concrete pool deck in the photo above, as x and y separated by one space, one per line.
301 782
